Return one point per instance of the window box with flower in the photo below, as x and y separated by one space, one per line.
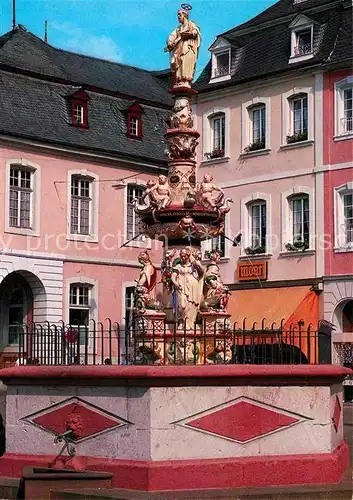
254 250
215 153
255 146
297 137
297 245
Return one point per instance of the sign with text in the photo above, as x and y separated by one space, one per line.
249 271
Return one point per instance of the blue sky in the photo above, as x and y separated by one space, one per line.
128 31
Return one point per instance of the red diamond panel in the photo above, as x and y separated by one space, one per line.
242 421
83 419
337 414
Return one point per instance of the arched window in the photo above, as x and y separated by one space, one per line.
133 221
298 126
347 317
299 222
218 135
257 124
257 227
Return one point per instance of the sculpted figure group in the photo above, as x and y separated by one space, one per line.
194 288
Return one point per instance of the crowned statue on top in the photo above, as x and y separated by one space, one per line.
183 45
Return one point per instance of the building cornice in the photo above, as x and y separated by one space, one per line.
236 88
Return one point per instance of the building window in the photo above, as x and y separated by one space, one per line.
343 209
129 307
134 223
81 199
299 119
79 304
348 218
344 107
347 317
299 214
346 121
221 64
78 114
258 227
257 115
300 115
133 125
219 243
303 44
20 197
134 121
79 111
218 136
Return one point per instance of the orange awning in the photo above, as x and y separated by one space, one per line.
291 304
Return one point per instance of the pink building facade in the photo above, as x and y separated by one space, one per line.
267 137
71 167
338 181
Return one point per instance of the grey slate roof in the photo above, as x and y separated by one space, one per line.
37 109
23 50
262 46
35 78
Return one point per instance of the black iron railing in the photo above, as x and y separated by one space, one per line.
159 343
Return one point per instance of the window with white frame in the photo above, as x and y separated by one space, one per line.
78 114
300 115
303 42
344 107
219 243
299 222
221 64
133 221
302 38
348 218
129 306
258 227
346 121
79 304
347 201
81 201
218 136
344 216
133 125
257 122
20 197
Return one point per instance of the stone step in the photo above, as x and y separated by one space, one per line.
342 491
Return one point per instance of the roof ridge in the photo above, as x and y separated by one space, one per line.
251 24
58 49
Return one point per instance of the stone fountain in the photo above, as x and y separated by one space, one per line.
182 212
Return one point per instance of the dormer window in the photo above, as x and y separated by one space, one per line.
78 102
134 125
78 113
134 121
221 67
302 44
221 61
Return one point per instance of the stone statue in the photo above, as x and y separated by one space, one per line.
187 278
181 115
159 194
208 193
145 287
215 293
183 45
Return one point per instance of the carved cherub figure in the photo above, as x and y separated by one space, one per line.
159 194
208 193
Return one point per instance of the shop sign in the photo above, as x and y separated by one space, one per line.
248 271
